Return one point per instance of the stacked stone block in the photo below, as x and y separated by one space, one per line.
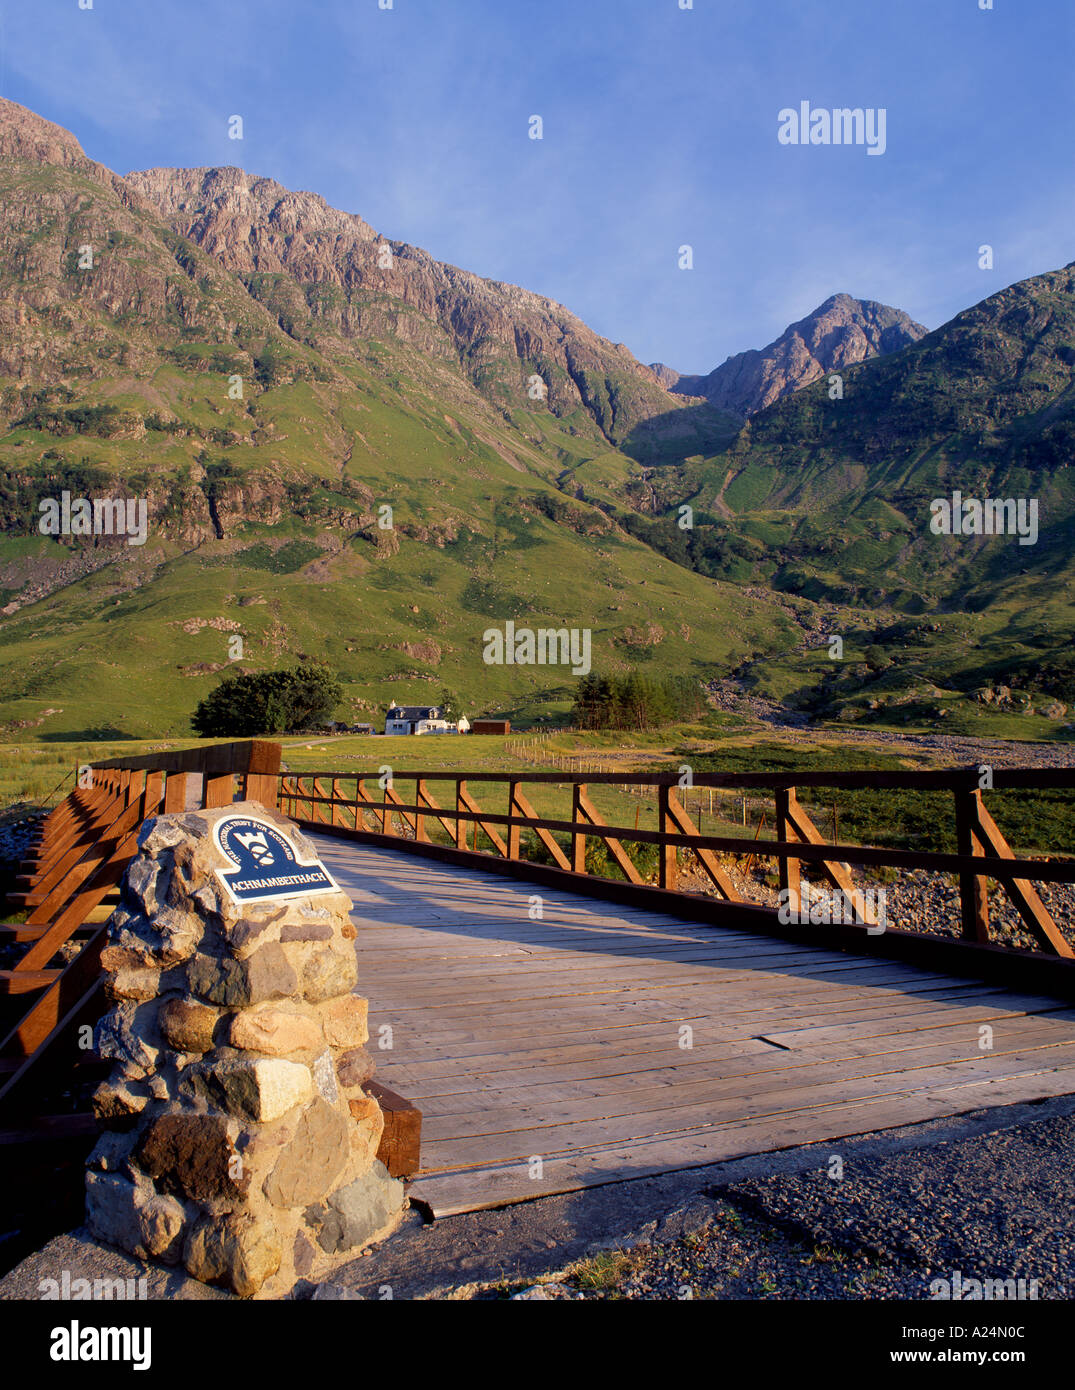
239 1140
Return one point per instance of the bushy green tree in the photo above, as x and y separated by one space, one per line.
269 702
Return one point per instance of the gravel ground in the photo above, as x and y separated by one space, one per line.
995 1206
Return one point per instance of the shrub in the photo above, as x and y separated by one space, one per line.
269 702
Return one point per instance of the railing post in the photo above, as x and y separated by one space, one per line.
175 794
973 889
578 841
668 870
421 834
154 793
387 824
261 779
460 824
217 790
514 834
788 867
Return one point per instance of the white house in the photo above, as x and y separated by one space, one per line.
421 719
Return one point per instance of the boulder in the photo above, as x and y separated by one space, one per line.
312 1162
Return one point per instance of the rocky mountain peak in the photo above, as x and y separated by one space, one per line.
24 135
838 333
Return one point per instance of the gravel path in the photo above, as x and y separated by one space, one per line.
999 1206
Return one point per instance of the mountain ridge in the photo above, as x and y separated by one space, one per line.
839 333
233 353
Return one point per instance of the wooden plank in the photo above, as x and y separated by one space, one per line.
416 965
669 987
837 873
428 1044
585 807
708 860
787 867
71 849
218 790
127 814
89 881
75 819
461 1189
245 755
45 1018
667 866
74 1010
26 981
175 794
578 839
1022 893
520 806
19 933
756 1074
973 888
555 1138
639 1072
400 1149
467 803
631 1074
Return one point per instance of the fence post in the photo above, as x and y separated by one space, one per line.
260 780
175 793
578 841
460 823
789 867
420 832
217 790
973 892
513 822
668 869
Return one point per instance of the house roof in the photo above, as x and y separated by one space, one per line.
413 713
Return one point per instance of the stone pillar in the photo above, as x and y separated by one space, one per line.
239 1140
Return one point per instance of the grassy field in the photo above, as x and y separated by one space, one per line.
1038 822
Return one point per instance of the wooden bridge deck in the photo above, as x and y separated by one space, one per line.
559 1039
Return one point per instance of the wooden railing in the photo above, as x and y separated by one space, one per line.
82 851
371 806
86 843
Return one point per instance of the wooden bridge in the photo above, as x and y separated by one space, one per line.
602 1042
559 1029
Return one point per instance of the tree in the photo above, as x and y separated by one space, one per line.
315 691
635 701
269 702
449 702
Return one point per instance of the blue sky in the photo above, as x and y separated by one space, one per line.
660 130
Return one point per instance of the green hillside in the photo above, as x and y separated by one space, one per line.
345 459
266 511
829 500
